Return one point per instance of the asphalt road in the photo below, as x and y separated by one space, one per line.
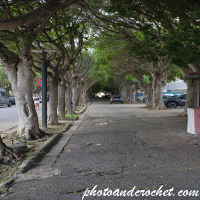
9 117
121 147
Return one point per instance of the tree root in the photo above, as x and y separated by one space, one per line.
38 135
33 134
8 156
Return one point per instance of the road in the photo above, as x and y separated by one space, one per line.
9 117
119 147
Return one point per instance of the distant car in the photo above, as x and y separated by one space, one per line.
12 100
173 102
116 98
4 98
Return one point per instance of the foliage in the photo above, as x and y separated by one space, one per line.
3 78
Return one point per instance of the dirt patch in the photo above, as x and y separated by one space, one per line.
7 171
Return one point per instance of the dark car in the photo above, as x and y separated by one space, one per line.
175 101
116 98
12 100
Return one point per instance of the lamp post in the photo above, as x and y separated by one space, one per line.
44 84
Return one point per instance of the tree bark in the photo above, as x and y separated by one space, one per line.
76 94
67 102
150 94
53 102
192 94
141 83
81 98
159 81
61 100
132 94
21 76
123 91
192 100
193 89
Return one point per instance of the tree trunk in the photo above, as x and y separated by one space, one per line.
123 91
81 98
85 96
61 100
76 94
192 100
67 102
53 102
159 81
150 94
192 95
21 76
132 94
141 83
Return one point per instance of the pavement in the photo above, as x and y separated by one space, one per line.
117 147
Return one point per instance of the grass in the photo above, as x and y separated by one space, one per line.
15 133
11 173
4 179
3 190
8 174
23 159
31 143
71 116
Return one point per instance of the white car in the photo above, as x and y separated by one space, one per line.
4 98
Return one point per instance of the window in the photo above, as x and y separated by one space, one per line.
3 94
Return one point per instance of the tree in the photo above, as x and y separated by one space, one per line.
37 10
17 61
67 36
173 24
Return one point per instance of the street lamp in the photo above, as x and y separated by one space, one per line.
44 83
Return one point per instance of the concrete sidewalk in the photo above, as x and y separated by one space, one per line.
120 147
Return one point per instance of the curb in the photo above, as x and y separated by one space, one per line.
34 156
83 110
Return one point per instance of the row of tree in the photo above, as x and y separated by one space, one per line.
63 30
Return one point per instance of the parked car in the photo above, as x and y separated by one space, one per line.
12 100
173 102
116 98
4 98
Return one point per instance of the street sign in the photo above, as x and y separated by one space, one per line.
40 82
